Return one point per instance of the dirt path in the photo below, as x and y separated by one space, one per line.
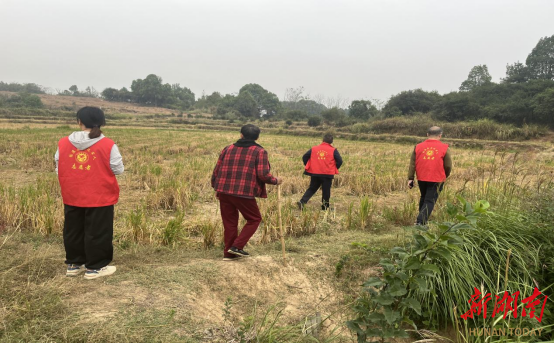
183 293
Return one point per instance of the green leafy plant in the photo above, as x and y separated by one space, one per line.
389 304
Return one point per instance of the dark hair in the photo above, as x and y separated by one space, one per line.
434 131
93 118
251 132
328 138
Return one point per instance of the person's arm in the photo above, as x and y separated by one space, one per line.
447 163
263 169
338 158
57 159
411 170
217 166
116 161
307 156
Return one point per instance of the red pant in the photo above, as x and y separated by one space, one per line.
230 207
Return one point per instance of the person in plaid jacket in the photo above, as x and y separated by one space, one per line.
239 176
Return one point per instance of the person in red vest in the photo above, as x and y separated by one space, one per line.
322 163
240 175
86 163
432 164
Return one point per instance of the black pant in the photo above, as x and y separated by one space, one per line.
316 182
429 195
87 235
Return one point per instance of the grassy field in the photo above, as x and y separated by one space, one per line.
171 284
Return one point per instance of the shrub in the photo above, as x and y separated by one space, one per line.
21 100
314 121
409 102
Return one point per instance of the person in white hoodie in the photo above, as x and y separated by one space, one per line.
86 164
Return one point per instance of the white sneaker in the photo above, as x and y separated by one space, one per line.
74 269
96 273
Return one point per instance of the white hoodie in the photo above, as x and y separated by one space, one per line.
81 141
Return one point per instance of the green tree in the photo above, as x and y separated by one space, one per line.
543 107
409 102
226 104
457 106
181 97
125 95
314 121
214 98
265 100
23 100
362 109
30 100
246 105
296 115
151 90
478 76
516 73
335 116
89 92
74 90
209 102
25 88
110 94
311 107
540 62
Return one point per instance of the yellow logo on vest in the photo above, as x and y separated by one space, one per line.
82 157
321 154
429 153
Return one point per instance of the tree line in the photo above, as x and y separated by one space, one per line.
524 95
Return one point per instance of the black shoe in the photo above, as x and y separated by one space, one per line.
232 258
238 252
300 205
324 207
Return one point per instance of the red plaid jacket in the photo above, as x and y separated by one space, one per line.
242 171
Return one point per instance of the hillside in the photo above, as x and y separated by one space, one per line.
73 103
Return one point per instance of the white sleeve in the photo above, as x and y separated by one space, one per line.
116 161
57 159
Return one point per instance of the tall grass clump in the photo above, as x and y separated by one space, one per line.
37 207
137 224
172 233
210 229
417 125
429 281
481 262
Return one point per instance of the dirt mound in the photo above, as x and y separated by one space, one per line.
201 287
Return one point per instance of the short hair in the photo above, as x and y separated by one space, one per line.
250 131
434 131
328 138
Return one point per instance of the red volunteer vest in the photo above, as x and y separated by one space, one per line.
86 178
322 160
430 160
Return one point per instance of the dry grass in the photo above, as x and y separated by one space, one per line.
171 285
168 173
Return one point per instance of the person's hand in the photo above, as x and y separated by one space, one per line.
411 184
279 180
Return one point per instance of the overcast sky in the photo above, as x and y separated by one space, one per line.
357 49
